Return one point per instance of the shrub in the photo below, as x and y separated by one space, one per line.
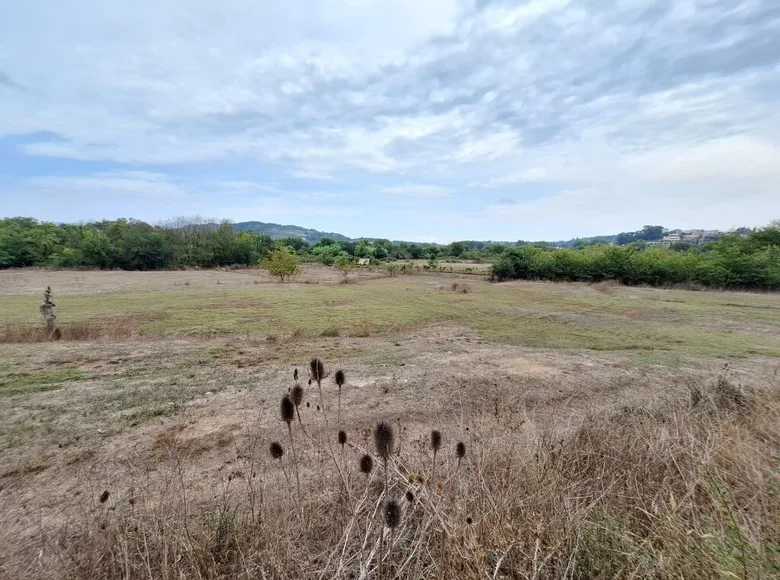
281 263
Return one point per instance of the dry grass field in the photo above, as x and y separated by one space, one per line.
609 432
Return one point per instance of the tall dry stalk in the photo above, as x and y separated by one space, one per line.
317 373
384 441
435 445
392 517
287 411
340 380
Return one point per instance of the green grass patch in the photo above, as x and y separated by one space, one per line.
28 382
570 316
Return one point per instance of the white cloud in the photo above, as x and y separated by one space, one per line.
118 184
312 175
532 175
417 191
620 100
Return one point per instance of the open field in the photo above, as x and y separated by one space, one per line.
611 431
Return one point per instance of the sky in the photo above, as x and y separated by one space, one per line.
424 120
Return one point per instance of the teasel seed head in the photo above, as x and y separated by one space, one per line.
340 378
342 438
460 450
297 395
287 409
276 450
317 369
392 514
384 439
366 464
435 440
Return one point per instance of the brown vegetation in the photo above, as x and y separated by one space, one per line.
685 488
118 328
182 457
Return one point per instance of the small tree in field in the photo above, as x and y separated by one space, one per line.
282 263
345 265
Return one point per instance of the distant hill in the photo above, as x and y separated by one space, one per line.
277 232
610 239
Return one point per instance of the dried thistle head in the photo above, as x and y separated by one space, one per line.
366 464
435 440
384 439
276 450
340 378
287 409
317 369
297 395
392 514
342 438
460 450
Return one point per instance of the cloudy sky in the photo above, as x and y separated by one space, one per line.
407 119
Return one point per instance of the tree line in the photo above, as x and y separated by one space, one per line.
130 244
738 261
748 259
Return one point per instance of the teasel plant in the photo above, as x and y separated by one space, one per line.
296 394
384 441
460 451
366 465
287 410
435 445
317 374
277 452
392 517
340 379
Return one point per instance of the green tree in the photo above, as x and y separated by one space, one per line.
344 264
282 263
